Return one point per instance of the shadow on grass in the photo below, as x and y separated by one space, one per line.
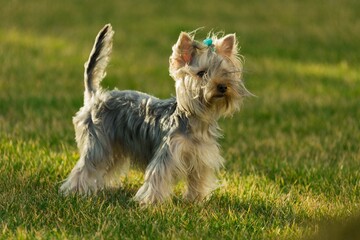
34 205
339 229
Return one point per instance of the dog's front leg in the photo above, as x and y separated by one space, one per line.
158 178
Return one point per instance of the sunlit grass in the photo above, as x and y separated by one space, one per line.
292 153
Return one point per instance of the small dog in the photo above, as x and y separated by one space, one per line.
172 139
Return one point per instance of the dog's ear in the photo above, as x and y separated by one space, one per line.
182 51
227 46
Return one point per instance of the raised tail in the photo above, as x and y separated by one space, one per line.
98 61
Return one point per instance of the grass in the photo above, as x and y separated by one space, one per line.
292 153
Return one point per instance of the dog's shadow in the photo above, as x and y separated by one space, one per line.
121 196
124 196
222 202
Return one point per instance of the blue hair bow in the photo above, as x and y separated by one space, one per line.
209 42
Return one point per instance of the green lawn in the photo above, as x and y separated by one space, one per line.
292 153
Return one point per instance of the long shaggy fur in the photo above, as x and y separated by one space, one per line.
171 139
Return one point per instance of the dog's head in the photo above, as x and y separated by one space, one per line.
208 75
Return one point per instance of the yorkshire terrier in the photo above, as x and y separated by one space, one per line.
171 139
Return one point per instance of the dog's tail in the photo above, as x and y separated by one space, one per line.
97 62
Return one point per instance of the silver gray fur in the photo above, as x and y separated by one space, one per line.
171 139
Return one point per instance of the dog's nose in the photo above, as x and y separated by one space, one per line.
222 88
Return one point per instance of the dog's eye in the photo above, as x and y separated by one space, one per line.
201 73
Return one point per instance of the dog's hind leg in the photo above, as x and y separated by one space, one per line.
95 160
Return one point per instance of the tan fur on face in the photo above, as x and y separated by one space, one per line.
222 64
